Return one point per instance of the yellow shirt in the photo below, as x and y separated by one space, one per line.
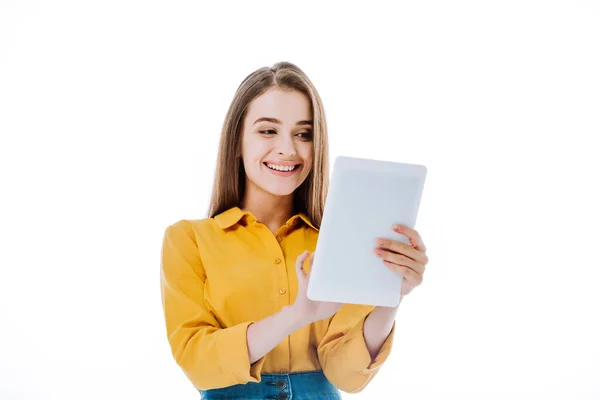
218 275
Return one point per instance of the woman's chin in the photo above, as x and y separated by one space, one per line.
281 190
281 193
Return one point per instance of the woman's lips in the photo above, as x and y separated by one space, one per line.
282 173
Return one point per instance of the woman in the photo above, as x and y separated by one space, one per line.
234 285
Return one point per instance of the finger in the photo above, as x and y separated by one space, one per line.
411 276
401 260
300 265
402 248
415 238
310 263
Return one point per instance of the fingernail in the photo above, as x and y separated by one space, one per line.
378 251
397 227
381 242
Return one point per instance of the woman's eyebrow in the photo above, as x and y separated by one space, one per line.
276 121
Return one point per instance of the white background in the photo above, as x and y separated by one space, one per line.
110 115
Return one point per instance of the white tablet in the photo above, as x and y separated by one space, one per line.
365 198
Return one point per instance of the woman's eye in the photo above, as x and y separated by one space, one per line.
305 135
268 132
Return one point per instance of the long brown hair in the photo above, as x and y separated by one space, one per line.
230 177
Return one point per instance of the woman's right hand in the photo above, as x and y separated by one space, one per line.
309 310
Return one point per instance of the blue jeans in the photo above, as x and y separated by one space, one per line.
295 386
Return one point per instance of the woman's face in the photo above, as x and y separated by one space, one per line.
277 146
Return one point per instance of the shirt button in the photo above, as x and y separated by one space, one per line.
282 396
281 384
279 239
282 291
277 260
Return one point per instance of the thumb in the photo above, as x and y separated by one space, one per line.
300 266
310 262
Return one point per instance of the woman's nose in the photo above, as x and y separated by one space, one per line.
287 147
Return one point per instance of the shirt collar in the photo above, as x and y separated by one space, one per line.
232 216
304 218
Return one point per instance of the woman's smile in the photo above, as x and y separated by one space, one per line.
283 170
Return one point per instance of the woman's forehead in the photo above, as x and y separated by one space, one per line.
279 106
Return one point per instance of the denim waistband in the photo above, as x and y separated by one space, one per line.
312 385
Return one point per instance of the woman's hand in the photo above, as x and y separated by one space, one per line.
407 260
310 310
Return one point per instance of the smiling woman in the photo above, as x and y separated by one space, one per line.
276 117
238 320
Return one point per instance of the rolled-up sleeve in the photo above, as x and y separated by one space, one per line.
211 356
343 352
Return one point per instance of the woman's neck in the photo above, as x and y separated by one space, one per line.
270 210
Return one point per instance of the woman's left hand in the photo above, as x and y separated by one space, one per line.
407 260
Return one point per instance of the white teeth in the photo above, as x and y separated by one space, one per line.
281 167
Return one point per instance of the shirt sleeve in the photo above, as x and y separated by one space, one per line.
343 352
211 356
